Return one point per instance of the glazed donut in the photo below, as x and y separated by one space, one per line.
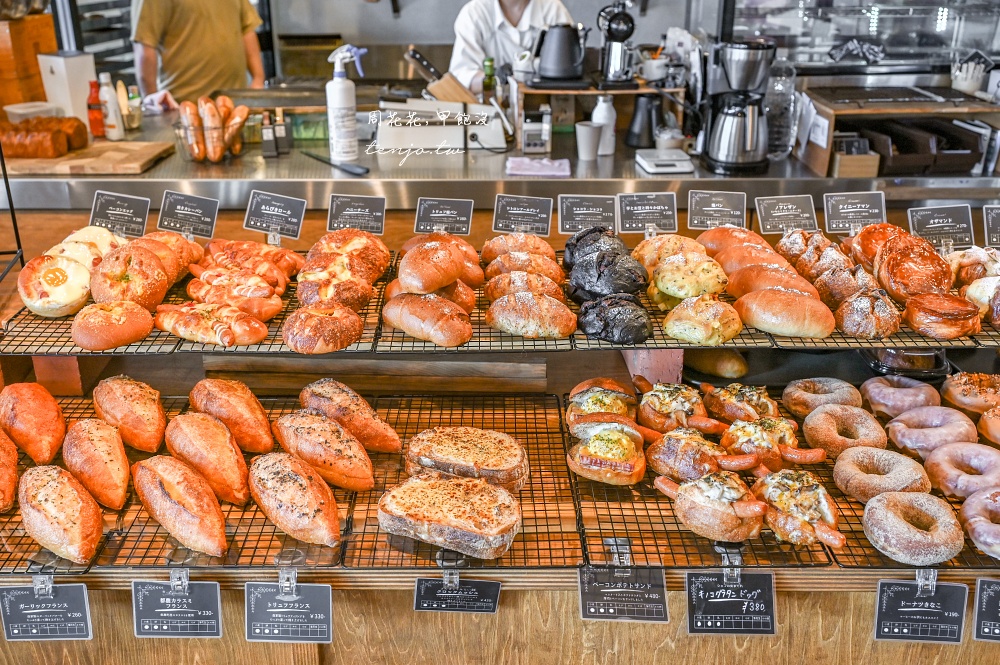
862 473
980 515
989 425
130 273
53 286
893 395
962 469
913 528
804 396
926 428
837 427
313 330
971 393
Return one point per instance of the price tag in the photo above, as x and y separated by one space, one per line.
782 213
623 594
304 615
160 611
64 615
987 616
186 213
850 209
455 215
366 213
903 615
991 219
530 214
475 596
269 213
717 607
707 209
583 211
635 211
939 223
120 213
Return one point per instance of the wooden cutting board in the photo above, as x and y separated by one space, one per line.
101 158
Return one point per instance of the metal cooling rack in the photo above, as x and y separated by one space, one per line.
548 537
904 339
254 541
989 337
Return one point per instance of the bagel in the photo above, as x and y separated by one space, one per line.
862 473
838 427
913 528
804 396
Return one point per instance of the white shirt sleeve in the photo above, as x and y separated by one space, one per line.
468 54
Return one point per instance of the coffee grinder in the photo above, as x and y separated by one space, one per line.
617 55
735 123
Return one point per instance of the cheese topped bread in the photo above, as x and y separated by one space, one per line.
469 452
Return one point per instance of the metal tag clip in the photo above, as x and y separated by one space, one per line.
274 236
926 582
947 246
651 231
732 560
440 228
187 232
179 578
42 585
620 550
287 581
450 561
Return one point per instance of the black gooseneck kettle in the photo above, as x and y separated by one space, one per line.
560 50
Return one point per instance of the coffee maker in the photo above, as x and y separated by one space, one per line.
617 54
735 122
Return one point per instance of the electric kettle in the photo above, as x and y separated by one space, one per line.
739 133
560 51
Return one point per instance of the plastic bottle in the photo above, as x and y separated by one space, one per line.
114 124
604 114
489 80
95 116
781 109
341 105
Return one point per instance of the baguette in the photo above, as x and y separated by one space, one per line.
59 514
134 408
327 447
338 402
8 472
206 445
531 315
430 318
293 496
215 146
467 515
430 266
31 417
181 500
238 408
469 452
93 452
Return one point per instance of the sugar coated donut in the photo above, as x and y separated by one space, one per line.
862 473
837 427
804 396
913 528
962 469
921 430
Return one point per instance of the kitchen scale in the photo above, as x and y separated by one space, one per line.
672 160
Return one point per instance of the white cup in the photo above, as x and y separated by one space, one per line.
588 139
668 138
654 70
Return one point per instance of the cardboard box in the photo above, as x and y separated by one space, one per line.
20 43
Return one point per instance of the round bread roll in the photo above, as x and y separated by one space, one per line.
169 259
108 325
786 313
100 237
130 273
85 253
740 256
758 278
313 330
53 286
516 242
717 239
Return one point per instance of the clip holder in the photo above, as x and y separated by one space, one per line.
440 228
947 246
650 231
620 550
274 236
855 229
287 581
188 233
450 561
522 228
179 578
42 585
732 561
926 582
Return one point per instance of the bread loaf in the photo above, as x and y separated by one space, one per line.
31 417
338 402
134 408
430 266
430 318
238 408
207 446
59 514
93 452
8 472
531 315
786 313
293 496
327 447
469 452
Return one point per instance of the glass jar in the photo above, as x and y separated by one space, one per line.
781 109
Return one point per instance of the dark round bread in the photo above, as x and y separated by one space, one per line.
601 274
618 318
590 241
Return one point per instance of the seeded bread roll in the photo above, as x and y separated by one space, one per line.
338 402
327 447
237 407
134 408
59 514
293 496
93 452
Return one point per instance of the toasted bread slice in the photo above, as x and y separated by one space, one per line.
467 515
469 452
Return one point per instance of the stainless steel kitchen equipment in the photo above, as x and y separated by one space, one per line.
645 121
618 57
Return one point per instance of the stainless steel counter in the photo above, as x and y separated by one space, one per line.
477 174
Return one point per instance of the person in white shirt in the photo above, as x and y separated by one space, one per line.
499 29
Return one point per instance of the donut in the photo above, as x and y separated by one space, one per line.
104 240
130 273
82 252
980 515
893 395
326 329
962 469
971 393
104 326
989 425
804 396
837 427
862 473
913 528
53 286
926 428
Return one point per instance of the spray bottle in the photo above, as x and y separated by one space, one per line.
341 104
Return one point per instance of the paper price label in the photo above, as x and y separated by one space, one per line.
366 213
471 596
635 211
730 608
65 615
303 615
583 211
849 209
528 214
987 616
940 223
778 214
267 212
455 215
186 213
159 611
902 615
708 209
120 213
623 594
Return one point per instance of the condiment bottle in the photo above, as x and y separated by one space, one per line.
95 116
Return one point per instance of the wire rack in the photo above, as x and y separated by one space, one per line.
548 537
989 337
254 541
904 339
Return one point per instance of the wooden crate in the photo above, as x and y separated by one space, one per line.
854 166
20 43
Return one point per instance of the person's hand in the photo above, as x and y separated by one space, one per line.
161 100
